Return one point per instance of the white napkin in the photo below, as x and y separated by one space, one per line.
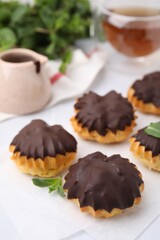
80 74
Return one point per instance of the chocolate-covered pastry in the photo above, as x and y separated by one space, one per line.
104 186
145 94
106 119
43 150
147 149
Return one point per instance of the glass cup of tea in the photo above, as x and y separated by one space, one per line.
133 30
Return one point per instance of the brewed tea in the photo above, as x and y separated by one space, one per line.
135 36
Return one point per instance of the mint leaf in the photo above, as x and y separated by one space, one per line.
4 14
40 182
52 188
54 184
65 61
46 15
60 191
19 13
153 130
7 39
63 67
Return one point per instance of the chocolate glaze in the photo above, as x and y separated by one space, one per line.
150 143
38 140
148 89
103 113
38 66
103 182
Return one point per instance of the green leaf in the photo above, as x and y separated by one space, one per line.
54 184
5 14
61 20
28 42
40 182
19 13
63 67
65 61
7 39
153 130
67 56
53 188
46 15
50 49
60 191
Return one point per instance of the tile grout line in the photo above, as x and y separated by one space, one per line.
147 227
67 238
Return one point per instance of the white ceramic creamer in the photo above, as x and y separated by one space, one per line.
24 82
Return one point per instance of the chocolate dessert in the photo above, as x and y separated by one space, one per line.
43 150
106 119
146 147
39 140
150 143
145 94
104 183
148 89
101 113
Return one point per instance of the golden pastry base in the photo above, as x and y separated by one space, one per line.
110 137
143 107
48 167
103 213
144 156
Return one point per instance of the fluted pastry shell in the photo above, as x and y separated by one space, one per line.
104 186
152 162
47 167
105 119
140 105
110 137
103 213
43 150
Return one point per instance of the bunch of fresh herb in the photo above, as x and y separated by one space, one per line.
48 26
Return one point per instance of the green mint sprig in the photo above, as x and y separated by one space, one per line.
153 130
54 184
